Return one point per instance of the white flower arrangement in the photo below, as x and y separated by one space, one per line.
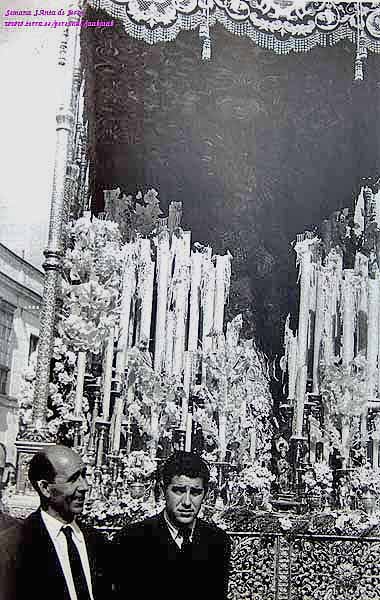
256 478
92 266
61 388
318 479
138 466
344 387
237 385
356 520
365 480
119 512
156 392
285 524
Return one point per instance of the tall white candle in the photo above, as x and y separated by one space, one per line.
147 290
169 343
118 417
361 270
189 429
208 282
130 399
132 322
208 297
163 278
348 316
345 442
81 371
318 324
196 269
107 382
222 278
252 448
222 416
154 430
128 289
300 401
363 333
222 435
292 366
187 373
184 411
373 334
181 281
304 255
375 451
334 274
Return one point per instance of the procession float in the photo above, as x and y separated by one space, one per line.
137 357
143 364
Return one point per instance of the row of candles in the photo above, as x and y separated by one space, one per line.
184 427
190 286
336 296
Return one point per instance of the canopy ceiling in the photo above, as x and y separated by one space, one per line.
257 146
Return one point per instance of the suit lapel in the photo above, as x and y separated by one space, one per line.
200 548
164 537
42 553
92 548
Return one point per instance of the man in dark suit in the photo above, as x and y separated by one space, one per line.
6 521
50 557
174 555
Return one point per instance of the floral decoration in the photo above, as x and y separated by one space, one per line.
344 388
237 385
134 215
365 480
92 268
285 523
318 479
156 393
61 388
138 466
256 478
117 513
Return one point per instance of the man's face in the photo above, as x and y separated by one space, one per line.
184 496
66 494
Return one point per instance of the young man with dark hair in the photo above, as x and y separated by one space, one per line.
50 556
174 554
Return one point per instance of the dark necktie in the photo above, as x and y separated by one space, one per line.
186 542
77 571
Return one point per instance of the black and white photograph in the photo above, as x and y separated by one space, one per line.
189 300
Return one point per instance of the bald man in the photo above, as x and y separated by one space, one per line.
51 557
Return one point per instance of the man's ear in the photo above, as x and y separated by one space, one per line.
43 487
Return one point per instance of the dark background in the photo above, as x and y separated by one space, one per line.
258 147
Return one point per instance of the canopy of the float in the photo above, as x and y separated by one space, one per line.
279 25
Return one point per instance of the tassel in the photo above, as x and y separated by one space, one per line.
363 53
206 49
358 69
204 31
361 49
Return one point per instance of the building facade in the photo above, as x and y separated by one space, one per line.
21 286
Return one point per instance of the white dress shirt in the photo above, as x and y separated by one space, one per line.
54 528
175 532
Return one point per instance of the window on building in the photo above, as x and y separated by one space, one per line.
6 325
33 343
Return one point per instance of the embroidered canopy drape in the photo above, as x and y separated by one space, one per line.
279 25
